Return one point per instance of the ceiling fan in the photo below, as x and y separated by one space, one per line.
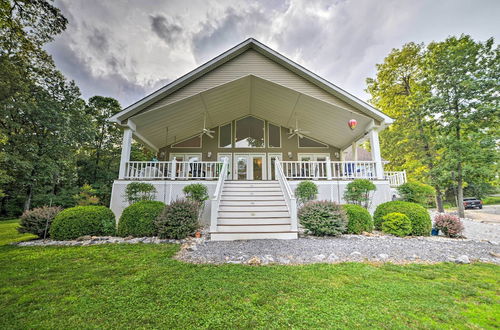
297 131
205 130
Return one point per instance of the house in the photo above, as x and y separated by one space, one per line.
251 124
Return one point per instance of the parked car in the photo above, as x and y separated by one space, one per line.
472 203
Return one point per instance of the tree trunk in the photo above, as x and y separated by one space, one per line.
460 192
29 195
439 201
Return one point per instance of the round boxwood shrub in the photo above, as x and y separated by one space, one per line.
38 221
323 218
396 224
178 219
306 191
83 220
420 219
358 219
417 192
138 219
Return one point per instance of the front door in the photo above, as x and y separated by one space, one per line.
249 167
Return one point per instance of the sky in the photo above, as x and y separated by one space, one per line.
127 49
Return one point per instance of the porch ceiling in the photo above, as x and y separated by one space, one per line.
249 95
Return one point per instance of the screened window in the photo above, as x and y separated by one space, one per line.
310 143
274 136
225 136
194 142
249 133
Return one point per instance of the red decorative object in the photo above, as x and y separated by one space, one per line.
352 123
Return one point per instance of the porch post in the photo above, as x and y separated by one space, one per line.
355 150
126 147
375 149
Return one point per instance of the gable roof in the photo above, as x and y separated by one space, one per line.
234 52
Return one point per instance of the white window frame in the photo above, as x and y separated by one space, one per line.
268 136
298 143
232 139
236 133
201 143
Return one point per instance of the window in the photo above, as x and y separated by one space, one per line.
310 143
225 136
249 133
194 142
274 136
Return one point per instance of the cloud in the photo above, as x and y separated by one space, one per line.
165 29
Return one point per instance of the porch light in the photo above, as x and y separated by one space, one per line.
209 154
289 154
352 123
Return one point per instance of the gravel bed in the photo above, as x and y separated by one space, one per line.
97 240
307 250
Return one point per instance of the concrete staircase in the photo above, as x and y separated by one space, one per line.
252 210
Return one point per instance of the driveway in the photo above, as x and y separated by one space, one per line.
489 214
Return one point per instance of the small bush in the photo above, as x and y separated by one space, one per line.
139 191
420 219
139 219
306 191
323 218
196 192
449 224
358 192
38 221
83 220
359 219
178 220
396 224
86 196
417 192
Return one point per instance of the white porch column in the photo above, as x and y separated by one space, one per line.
375 149
126 147
355 150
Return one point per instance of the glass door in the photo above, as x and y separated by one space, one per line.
271 159
249 167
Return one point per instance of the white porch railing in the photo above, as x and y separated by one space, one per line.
290 200
172 170
396 178
217 195
330 170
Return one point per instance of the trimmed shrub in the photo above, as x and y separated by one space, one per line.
139 191
196 192
38 221
138 219
417 192
83 220
358 219
396 224
323 218
449 224
306 191
358 192
420 219
177 220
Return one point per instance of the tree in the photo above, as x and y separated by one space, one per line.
464 79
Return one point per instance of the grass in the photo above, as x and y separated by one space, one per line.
491 200
141 286
9 234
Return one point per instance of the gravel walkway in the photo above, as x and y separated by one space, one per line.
346 248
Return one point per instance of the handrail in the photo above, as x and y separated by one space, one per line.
217 195
290 200
155 170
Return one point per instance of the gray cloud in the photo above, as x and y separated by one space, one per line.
165 29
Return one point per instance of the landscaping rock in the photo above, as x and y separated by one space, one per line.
319 257
383 256
254 261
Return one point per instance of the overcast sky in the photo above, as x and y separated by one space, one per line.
128 49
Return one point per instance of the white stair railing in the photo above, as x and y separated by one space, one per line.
217 195
173 170
290 200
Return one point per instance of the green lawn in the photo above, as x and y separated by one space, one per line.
9 234
141 286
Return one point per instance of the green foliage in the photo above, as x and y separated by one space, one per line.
138 219
9 232
83 220
306 191
196 192
139 191
358 192
178 220
323 218
396 224
491 200
86 196
38 221
359 219
417 192
420 219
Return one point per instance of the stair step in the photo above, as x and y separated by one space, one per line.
254 221
254 189
251 181
253 202
251 185
254 214
252 208
253 228
274 198
251 193
229 236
